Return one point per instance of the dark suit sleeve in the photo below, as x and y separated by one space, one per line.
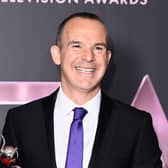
2 166
9 132
147 153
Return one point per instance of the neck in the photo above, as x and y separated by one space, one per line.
80 96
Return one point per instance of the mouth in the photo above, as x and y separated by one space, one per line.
86 70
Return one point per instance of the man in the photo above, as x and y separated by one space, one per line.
114 134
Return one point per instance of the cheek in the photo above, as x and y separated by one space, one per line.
64 57
103 61
67 62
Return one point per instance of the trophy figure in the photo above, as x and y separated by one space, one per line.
8 155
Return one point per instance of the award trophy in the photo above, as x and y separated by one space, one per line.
8 155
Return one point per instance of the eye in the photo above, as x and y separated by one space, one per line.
76 46
100 48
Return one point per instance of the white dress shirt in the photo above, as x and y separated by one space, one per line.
63 116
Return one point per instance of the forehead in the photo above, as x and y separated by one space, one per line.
84 26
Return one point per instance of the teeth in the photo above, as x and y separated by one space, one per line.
85 69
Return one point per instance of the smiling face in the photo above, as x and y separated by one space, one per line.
83 55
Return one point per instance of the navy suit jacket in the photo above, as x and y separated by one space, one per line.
125 137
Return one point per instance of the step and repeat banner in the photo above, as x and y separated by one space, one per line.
138 31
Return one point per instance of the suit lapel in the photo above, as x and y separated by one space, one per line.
103 120
48 106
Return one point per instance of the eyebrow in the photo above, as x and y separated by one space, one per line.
102 44
79 42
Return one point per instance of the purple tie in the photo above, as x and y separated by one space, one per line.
75 147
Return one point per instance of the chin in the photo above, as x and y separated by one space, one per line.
89 88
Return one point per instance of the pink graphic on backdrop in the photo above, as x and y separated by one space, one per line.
146 99
23 92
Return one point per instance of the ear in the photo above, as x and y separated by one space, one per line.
109 54
55 53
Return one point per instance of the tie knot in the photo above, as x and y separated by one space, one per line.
79 113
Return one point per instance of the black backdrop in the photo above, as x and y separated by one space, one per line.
138 31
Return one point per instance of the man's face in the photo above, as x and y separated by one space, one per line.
83 55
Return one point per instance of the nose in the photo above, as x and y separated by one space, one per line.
88 55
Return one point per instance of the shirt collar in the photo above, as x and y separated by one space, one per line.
67 104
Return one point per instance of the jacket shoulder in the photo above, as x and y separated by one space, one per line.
124 110
33 105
